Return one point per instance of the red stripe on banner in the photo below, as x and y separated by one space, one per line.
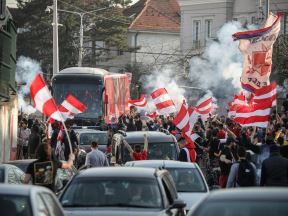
264 100
37 84
254 107
164 104
181 115
158 92
76 103
204 103
252 119
265 89
49 107
263 30
204 112
239 97
62 109
141 99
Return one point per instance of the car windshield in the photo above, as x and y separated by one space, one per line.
120 192
15 205
187 179
88 89
2 175
243 208
23 166
87 138
161 151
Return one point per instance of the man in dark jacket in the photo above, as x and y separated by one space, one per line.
74 142
34 140
187 152
274 169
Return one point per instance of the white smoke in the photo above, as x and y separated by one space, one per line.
26 71
164 78
220 67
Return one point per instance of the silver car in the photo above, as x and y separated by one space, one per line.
11 174
243 202
28 200
188 177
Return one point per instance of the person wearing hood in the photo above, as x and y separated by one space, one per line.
187 152
274 170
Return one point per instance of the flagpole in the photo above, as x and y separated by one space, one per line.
68 137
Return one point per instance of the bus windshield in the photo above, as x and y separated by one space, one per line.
86 88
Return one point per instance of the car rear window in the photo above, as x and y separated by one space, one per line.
15 205
243 208
2 177
87 138
159 151
114 192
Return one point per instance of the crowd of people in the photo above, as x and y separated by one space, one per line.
236 156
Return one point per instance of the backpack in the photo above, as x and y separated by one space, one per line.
246 174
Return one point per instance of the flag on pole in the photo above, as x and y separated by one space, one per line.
181 120
233 106
205 107
253 114
266 93
257 47
163 101
141 102
42 98
71 106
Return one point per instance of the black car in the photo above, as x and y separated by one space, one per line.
122 191
243 201
161 145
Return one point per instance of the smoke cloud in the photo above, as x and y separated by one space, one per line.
26 70
164 78
220 67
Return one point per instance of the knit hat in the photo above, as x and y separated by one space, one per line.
274 148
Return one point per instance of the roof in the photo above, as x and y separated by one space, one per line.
153 136
26 161
6 166
246 194
83 70
86 130
118 172
161 164
160 15
24 190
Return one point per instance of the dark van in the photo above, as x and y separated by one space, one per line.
161 145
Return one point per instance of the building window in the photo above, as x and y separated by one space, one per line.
196 30
208 24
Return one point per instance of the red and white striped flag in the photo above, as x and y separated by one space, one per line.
181 120
233 106
194 136
141 102
266 93
152 115
42 98
205 107
193 117
163 101
253 114
71 106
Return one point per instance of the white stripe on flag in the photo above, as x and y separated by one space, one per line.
264 112
41 98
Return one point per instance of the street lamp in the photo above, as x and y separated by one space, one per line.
81 15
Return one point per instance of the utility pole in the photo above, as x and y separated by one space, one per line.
81 41
55 39
267 9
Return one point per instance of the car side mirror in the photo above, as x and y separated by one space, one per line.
178 204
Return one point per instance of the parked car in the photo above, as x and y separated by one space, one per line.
122 191
161 145
28 200
85 137
10 174
188 177
243 201
63 175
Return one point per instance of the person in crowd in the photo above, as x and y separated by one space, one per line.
54 136
274 170
43 171
221 132
65 142
214 146
23 138
285 104
226 160
243 172
187 152
137 154
138 123
96 158
131 125
34 141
